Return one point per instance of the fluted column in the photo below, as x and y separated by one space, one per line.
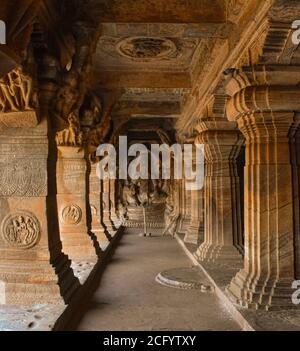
222 230
264 109
72 201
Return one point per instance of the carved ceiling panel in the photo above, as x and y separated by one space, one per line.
149 53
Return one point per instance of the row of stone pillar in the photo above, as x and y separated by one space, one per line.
262 113
86 205
52 209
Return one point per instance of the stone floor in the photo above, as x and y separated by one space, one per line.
220 276
129 298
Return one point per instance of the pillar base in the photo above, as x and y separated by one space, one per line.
110 228
194 234
101 234
78 246
184 225
37 283
218 253
268 295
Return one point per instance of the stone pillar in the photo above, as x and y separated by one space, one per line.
295 156
185 196
195 231
72 202
262 113
113 210
95 197
223 231
33 269
107 207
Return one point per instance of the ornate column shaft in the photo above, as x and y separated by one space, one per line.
264 109
222 230
95 195
113 214
33 269
72 202
185 196
195 231
295 155
107 207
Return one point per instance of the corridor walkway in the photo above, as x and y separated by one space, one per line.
129 298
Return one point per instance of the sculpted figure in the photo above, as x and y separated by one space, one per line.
17 92
130 195
143 194
158 195
2 103
24 84
67 95
71 136
8 96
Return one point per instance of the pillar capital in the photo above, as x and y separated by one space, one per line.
262 75
222 141
264 93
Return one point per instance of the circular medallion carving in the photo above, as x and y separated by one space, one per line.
146 48
71 214
21 230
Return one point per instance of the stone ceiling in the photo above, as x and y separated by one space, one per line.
147 48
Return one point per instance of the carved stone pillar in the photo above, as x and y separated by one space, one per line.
113 203
185 204
72 202
107 207
295 155
223 232
195 231
33 269
262 105
95 197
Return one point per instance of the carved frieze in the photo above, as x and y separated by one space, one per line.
23 178
21 230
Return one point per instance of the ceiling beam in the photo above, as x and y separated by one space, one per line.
160 11
114 79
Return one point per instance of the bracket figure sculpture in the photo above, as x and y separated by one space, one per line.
71 136
17 92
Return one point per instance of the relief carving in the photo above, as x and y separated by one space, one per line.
17 92
146 48
72 214
23 178
67 96
235 9
21 230
71 136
